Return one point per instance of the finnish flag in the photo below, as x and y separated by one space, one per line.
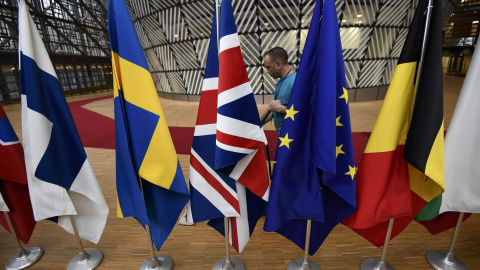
60 179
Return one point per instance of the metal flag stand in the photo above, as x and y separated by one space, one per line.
304 263
441 260
24 257
376 264
228 263
85 260
160 262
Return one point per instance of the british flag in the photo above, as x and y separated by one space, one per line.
228 173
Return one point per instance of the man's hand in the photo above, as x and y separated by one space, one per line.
276 106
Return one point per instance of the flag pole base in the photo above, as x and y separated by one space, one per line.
87 260
233 264
441 260
160 262
375 264
299 264
24 258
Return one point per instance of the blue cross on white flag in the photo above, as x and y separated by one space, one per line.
60 179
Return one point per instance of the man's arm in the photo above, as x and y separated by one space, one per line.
276 106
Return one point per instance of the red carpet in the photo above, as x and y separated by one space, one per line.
98 131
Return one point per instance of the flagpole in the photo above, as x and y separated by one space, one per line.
227 263
24 257
376 264
160 262
85 260
424 50
305 263
218 4
441 260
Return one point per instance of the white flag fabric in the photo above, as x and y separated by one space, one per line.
462 148
60 179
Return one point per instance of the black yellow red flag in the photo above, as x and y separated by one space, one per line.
402 167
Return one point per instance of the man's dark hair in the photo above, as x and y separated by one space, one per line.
276 54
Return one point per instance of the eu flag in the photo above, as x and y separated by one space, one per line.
143 144
315 141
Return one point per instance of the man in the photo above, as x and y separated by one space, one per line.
276 64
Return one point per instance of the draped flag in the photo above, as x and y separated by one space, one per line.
462 149
315 140
60 179
403 168
13 182
228 173
144 148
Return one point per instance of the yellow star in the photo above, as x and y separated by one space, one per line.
351 171
339 150
345 95
290 113
338 122
285 141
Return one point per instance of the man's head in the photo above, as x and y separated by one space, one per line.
275 62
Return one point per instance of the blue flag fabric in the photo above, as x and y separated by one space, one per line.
60 178
315 141
144 147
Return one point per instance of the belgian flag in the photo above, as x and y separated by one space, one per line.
402 168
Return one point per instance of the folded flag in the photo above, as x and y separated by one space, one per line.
402 168
60 178
144 148
13 183
228 173
315 141
462 149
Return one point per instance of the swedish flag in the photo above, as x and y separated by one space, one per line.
144 147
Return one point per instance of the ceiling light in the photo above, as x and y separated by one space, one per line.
360 15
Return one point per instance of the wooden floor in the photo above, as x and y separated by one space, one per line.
124 242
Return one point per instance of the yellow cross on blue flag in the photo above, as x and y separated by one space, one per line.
314 177
144 148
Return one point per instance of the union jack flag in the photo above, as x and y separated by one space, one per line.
228 173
